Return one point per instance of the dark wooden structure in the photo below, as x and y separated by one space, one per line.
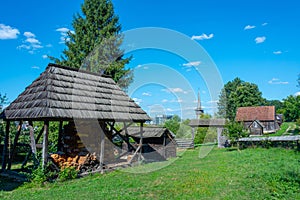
256 128
261 116
158 142
91 102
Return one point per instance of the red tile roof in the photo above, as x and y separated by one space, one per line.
262 113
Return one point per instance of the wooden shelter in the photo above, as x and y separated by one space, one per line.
91 103
158 142
265 117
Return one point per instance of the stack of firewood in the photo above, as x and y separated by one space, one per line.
81 163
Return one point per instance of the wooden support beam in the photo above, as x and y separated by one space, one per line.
102 149
12 152
193 136
141 141
5 148
30 151
45 144
60 132
32 140
219 131
130 147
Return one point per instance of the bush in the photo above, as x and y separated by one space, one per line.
40 176
67 174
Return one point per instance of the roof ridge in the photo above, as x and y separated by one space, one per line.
77 70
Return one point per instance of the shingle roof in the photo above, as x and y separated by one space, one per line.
149 132
262 113
63 92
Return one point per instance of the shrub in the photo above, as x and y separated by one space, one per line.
67 174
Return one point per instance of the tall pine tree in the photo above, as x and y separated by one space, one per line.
95 43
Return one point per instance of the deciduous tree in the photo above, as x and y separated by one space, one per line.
291 108
238 93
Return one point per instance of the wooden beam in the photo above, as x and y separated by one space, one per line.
5 148
45 144
32 140
102 149
30 151
219 131
141 141
130 147
12 152
60 132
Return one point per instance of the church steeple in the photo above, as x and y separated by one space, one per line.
199 110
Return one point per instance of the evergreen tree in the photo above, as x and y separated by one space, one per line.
95 43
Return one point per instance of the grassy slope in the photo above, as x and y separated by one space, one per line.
249 174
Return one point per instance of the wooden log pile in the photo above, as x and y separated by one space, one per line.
78 142
81 163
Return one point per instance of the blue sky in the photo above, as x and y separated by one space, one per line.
257 41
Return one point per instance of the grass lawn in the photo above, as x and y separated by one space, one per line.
223 174
287 128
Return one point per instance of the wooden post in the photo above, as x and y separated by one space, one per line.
12 152
193 137
164 145
32 140
141 141
6 139
60 132
219 131
102 149
45 144
30 151
126 137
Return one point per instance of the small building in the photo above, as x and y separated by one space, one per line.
158 142
89 103
259 119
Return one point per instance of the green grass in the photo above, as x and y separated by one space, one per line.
223 174
287 128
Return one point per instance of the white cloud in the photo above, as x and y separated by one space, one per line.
137 101
277 52
35 67
24 46
44 56
64 34
63 29
164 100
264 24
170 110
297 94
147 94
260 39
29 35
174 90
248 27
31 43
7 32
277 81
202 37
192 64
